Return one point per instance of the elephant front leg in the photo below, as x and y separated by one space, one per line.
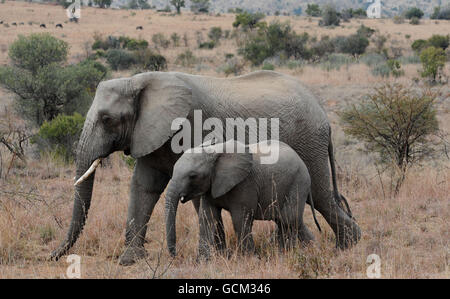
211 229
146 187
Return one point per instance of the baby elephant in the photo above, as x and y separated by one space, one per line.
237 181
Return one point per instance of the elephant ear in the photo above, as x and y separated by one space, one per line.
160 98
230 170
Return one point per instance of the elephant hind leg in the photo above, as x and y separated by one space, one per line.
345 228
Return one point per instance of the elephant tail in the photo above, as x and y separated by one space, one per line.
337 196
313 211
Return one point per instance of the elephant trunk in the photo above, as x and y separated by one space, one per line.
172 198
82 198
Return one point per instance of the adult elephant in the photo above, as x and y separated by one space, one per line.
135 115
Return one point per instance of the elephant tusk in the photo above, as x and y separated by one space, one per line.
88 172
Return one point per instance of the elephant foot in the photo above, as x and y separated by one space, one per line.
132 255
348 235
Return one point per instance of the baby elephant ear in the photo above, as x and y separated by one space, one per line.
230 170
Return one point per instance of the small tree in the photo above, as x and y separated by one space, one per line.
330 16
215 34
395 123
103 3
178 5
313 10
433 62
200 6
247 20
414 12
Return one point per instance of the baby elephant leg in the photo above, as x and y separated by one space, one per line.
243 223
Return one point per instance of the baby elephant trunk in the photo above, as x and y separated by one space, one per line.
172 198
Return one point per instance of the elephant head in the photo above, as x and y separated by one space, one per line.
213 169
133 115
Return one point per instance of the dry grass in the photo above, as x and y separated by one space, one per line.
410 232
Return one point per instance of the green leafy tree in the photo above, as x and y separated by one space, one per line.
37 50
433 62
330 16
200 6
394 122
178 5
414 12
44 87
215 33
313 10
60 135
247 20
103 3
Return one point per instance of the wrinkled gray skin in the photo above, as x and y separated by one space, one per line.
239 183
134 115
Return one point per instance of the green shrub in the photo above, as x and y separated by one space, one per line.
268 67
414 12
175 39
439 41
186 59
313 10
215 34
354 44
395 67
149 61
247 20
382 70
419 45
394 122
324 47
160 40
120 59
413 59
207 45
232 66
414 21
433 62
365 31
330 16
441 13
48 88
60 135
37 50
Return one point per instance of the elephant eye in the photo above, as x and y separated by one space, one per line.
192 175
107 120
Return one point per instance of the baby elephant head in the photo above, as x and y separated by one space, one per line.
214 168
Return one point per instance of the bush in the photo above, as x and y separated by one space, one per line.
433 62
365 31
207 45
175 39
313 10
268 67
439 41
354 44
47 88
324 47
277 38
60 135
441 13
373 59
414 21
330 16
247 20
395 123
215 34
147 60
186 59
419 45
398 20
160 40
120 59
232 66
37 50
414 12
